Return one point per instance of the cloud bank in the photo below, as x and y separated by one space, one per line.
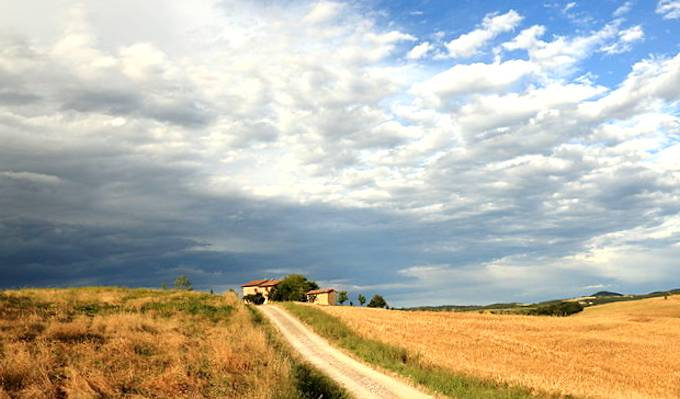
231 141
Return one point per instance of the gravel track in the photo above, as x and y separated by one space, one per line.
357 378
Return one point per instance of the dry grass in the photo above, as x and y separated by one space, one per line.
631 310
111 342
619 350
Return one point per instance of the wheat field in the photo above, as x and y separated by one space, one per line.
122 343
618 350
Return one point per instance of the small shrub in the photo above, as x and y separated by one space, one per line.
255 299
556 309
182 283
342 297
92 309
377 302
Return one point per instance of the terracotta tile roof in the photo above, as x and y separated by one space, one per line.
261 283
254 283
321 291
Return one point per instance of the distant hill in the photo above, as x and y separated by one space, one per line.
598 298
606 293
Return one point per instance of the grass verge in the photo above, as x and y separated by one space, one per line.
308 381
399 360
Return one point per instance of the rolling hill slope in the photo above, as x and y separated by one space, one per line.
618 350
124 343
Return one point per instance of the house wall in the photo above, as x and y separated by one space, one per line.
332 298
326 299
254 290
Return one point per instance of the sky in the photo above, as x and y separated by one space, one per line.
434 152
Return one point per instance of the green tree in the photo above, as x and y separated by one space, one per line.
292 288
182 283
342 297
361 299
377 302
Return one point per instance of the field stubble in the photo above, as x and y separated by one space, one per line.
611 351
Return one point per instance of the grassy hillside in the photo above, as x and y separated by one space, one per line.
115 342
619 350
643 309
540 308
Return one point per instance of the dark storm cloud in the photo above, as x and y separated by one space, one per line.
107 101
10 97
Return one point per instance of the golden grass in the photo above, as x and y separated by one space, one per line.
113 342
619 350
646 308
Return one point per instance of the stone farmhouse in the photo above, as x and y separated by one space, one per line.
259 287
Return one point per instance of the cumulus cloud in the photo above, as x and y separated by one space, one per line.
670 9
469 44
322 11
472 78
419 51
562 55
626 38
623 9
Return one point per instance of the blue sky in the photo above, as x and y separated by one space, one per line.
434 151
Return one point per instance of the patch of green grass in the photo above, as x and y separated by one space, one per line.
136 293
192 304
399 360
309 383
14 307
94 308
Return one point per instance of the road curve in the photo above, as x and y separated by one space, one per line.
358 379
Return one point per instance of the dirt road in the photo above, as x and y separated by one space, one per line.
359 379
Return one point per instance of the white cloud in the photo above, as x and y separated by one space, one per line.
625 40
670 9
667 158
632 34
650 81
142 61
472 78
561 56
568 7
623 9
32 177
526 39
469 44
322 11
419 51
